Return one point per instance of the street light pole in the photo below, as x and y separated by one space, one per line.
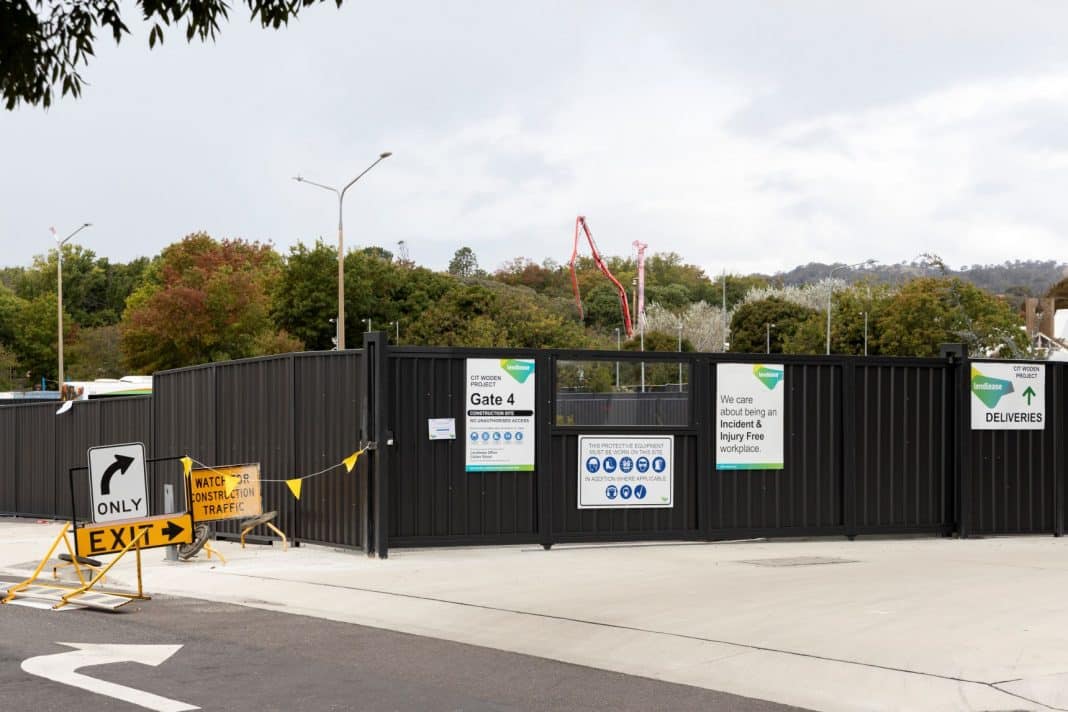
396 324
767 337
59 293
340 193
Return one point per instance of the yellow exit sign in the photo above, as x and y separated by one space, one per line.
113 537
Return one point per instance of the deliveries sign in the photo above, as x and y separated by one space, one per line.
230 492
1008 396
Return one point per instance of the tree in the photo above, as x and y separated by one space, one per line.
97 353
464 263
930 311
94 290
44 44
203 300
658 341
464 316
35 337
9 376
848 308
749 324
602 308
304 297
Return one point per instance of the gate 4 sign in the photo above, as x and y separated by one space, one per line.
111 538
118 485
225 493
1008 396
500 415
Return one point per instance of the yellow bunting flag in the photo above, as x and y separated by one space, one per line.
232 481
294 487
187 465
350 461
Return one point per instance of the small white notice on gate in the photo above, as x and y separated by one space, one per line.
1008 396
625 471
118 483
442 428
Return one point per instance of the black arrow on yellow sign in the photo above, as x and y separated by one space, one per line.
172 530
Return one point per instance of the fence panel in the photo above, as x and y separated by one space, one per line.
35 458
9 469
254 423
569 523
805 496
326 428
432 499
1014 473
904 429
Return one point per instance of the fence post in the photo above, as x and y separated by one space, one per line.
1054 404
545 396
379 391
702 400
363 470
961 434
849 446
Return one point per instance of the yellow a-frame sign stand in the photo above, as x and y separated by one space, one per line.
84 594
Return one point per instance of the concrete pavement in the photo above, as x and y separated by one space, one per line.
917 624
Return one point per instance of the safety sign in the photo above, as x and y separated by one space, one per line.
749 416
118 483
113 537
1008 396
625 471
229 492
500 415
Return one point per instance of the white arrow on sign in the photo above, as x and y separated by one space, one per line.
62 667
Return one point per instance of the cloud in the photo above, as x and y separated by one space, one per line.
744 137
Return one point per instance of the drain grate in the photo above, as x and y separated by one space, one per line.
799 561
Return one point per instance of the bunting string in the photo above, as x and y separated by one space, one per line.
294 483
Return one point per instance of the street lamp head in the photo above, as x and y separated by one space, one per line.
385 154
298 179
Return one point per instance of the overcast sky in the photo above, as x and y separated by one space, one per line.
745 136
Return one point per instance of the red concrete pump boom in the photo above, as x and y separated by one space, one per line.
580 223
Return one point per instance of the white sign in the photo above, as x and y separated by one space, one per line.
625 471
500 415
442 428
63 668
1008 396
749 416
118 484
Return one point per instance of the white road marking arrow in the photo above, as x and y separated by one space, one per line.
62 667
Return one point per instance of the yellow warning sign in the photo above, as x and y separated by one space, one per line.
230 492
113 537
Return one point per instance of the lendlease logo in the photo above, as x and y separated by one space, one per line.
770 377
989 390
519 370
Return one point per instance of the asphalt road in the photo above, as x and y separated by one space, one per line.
235 658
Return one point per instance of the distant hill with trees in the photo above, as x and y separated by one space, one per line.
1017 279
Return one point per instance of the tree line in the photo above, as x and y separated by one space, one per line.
204 299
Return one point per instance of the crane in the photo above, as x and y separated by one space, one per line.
581 226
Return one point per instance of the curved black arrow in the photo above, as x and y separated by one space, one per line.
122 464
172 530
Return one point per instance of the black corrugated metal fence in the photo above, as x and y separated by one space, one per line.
871 445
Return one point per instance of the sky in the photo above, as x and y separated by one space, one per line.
744 136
